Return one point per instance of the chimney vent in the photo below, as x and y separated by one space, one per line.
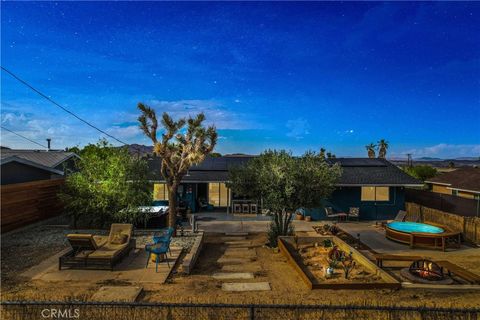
48 143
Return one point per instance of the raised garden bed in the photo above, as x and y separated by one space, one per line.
309 257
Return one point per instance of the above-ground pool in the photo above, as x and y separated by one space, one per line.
409 227
417 234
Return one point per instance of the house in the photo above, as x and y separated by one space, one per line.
374 185
32 165
463 182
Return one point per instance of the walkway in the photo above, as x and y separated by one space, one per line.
229 223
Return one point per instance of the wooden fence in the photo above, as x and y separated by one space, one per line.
25 203
444 202
468 226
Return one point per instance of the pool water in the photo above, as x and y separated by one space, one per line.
410 227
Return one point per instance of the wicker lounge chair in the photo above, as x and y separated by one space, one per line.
97 252
339 215
354 213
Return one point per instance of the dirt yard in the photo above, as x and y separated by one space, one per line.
268 266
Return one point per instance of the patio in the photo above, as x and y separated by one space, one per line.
130 269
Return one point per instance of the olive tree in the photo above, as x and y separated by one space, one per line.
285 183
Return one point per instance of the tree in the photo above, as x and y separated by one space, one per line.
382 148
371 150
284 184
421 172
108 185
179 148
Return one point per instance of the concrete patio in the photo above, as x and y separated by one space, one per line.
130 269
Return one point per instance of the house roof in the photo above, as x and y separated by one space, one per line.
378 172
29 163
356 171
464 179
50 159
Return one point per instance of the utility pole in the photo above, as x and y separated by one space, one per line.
409 160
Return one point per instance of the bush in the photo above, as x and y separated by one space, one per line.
281 225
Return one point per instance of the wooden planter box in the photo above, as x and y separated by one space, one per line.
286 245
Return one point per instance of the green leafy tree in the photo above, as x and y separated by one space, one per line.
107 187
421 172
179 148
284 184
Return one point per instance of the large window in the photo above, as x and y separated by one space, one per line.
160 191
375 194
218 194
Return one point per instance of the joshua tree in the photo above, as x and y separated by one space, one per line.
371 150
382 148
179 148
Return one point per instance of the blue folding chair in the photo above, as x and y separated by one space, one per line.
158 249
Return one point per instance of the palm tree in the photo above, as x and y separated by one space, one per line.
382 148
178 148
371 150
322 153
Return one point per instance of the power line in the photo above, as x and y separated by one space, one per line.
58 105
18 134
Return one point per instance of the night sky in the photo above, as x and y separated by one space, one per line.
268 75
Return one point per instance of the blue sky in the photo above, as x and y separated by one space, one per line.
269 75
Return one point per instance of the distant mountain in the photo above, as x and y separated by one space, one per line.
139 149
428 159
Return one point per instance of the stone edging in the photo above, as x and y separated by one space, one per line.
191 258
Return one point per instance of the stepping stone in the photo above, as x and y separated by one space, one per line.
228 239
241 268
232 276
240 253
117 294
227 260
239 243
248 286
235 234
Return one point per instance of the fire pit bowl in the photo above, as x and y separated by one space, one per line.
426 272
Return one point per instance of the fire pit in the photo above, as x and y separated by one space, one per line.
427 272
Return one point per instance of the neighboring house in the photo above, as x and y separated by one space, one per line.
19 166
374 185
462 182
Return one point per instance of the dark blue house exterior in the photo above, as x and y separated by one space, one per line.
376 186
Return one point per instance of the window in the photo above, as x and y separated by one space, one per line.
218 194
455 192
214 194
375 194
160 191
223 195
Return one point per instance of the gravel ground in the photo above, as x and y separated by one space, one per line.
28 247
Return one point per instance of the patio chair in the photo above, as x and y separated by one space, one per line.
354 212
164 237
330 214
98 252
158 249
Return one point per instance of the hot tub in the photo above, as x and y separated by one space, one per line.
410 232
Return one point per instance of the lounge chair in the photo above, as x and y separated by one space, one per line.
400 217
98 252
330 214
354 213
